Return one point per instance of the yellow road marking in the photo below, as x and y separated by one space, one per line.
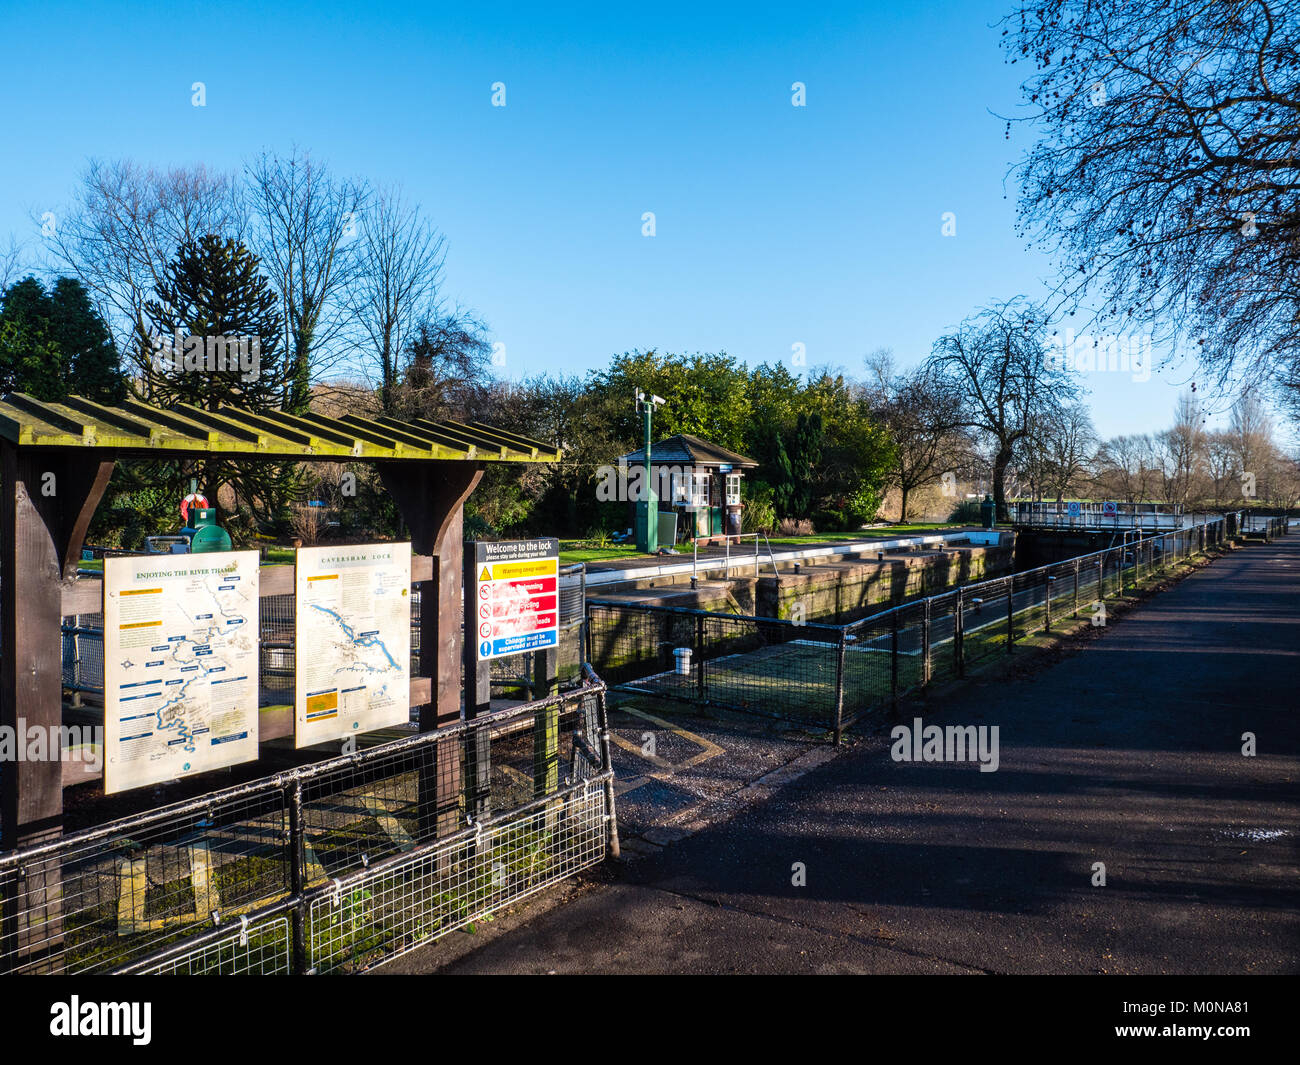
711 750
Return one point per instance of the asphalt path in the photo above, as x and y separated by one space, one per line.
1128 753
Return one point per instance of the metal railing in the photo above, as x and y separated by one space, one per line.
726 559
826 676
328 867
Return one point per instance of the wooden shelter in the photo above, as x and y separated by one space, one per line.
55 464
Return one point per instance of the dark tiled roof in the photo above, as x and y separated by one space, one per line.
688 450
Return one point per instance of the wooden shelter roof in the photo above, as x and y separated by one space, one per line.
135 428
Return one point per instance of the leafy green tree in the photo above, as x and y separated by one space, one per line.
214 290
53 343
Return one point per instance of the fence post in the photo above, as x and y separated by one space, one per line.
893 659
1047 602
606 765
959 635
699 658
1074 616
1011 611
297 880
925 642
840 652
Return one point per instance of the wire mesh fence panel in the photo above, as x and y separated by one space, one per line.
780 669
263 949
157 892
98 898
392 909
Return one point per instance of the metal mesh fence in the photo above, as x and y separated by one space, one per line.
828 676
206 885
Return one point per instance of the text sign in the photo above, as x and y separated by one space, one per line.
517 596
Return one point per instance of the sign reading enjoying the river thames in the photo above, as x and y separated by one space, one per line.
517 592
180 665
353 640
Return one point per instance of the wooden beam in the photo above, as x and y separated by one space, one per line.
85 595
431 498
31 690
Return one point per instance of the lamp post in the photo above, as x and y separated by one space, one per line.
647 518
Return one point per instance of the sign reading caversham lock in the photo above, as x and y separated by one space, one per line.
517 596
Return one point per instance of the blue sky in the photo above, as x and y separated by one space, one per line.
775 225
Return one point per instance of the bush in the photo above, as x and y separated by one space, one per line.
967 512
795 527
830 520
759 513
861 507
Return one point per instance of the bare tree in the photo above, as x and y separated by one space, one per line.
1128 467
398 273
995 367
1168 169
1057 452
1182 449
920 417
445 372
125 225
301 217
1220 469
12 258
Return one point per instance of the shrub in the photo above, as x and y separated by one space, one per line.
759 513
795 527
861 507
967 512
829 520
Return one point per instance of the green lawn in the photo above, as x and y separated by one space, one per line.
579 551
884 531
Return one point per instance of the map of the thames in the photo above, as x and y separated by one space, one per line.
180 665
353 634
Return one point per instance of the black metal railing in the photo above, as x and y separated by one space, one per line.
827 676
331 866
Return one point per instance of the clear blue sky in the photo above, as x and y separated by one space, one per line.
776 225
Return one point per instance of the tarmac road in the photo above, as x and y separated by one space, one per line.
1128 753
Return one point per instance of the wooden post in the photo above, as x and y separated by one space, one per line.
431 497
546 725
48 501
478 700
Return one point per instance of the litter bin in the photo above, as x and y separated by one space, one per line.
683 656
988 512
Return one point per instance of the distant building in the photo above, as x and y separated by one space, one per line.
697 480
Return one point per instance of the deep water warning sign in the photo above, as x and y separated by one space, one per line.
517 595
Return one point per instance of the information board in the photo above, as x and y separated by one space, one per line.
517 589
180 665
352 632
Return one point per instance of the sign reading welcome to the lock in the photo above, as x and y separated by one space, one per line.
517 595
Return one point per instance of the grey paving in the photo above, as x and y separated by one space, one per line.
1128 752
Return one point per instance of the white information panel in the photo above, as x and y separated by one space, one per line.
180 665
353 639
